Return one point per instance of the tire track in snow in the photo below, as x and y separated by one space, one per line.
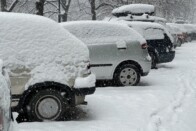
163 119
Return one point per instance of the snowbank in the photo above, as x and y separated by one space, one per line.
134 9
92 31
33 43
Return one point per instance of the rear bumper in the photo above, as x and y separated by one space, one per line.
166 57
145 67
84 91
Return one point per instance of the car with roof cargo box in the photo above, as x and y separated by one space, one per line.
117 52
48 67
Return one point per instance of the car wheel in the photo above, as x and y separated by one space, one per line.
47 104
154 60
127 75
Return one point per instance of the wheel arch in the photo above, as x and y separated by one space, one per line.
129 62
28 94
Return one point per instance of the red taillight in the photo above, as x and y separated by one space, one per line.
1 120
144 46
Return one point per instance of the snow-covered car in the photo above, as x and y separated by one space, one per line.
189 31
159 40
177 34
48 66
117 52
5 98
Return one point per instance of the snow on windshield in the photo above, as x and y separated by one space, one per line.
29 41
90 32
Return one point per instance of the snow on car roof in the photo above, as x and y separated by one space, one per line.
173 29
188 28
134 9
177 26
89 31
29 41
156 30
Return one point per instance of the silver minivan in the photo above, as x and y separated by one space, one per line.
48 67
116 52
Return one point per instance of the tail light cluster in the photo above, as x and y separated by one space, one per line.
144 46
1 120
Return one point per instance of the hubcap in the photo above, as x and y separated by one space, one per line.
128 76
48 108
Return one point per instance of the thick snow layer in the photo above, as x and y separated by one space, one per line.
163 101
148 30
186 28
92 32
88 81
4 91
173 29
42 46
135 9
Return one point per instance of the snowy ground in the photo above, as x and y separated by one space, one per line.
164 101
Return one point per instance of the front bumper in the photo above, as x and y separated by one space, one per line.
85 85
84 91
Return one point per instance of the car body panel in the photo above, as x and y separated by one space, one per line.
107 52
43 51
106 57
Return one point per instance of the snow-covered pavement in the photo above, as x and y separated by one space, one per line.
165 100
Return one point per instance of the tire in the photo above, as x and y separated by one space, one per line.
154 60
127 75
48 104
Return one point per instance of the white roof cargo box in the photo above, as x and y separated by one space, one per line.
134 9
